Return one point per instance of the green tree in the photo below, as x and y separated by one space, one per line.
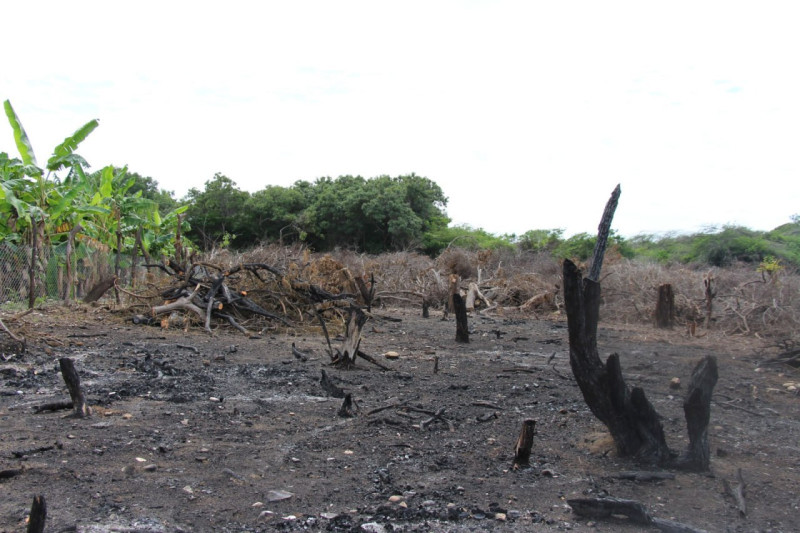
540 240
215 214
273 214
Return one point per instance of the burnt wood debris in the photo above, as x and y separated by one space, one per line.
629 416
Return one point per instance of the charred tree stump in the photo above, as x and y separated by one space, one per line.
348 408
38 515
522 451
73 382
629 416
352 338
710 292
697 409
462 328
426 308
665 307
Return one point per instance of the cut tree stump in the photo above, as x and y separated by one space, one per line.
665 307
629 416
522 451
352 338
73 382
631 419
697 410
462 328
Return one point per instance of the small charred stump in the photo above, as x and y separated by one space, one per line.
665 307
462 328
73 382
38 515
349 407
352 338
697 409
522 451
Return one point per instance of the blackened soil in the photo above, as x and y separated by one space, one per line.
192 432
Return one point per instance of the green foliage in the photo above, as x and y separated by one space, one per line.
723 247
216 211
437 240
578 247
540 240
375 215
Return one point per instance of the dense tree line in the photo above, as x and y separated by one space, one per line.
372 215
408 212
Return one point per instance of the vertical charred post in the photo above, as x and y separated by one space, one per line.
522 451
665 307
73 382
38 515
697 410
462 327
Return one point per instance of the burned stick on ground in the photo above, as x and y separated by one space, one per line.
644 476
329 387
327 336
38 515
349 407
486 417
73 382
522 451
20 340
374 361
738 493
298 354
11 472
53 406
438 415
635 512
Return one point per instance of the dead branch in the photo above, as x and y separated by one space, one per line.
737 493
438 415
644 476
373 361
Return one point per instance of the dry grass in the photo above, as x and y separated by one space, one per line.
745 302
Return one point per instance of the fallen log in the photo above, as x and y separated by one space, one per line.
630 510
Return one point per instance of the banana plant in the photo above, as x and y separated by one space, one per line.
32 194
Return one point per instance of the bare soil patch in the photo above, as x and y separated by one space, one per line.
192 432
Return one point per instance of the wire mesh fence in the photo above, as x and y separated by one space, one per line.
55 279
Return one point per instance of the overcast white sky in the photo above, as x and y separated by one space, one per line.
526 113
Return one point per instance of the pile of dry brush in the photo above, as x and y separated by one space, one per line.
280 286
